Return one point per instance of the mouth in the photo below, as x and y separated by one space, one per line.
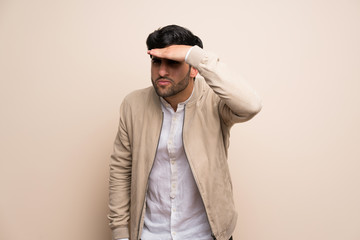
163 82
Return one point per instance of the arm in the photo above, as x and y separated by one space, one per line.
120 180
238 101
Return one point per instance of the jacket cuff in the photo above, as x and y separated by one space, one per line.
196 55
120 232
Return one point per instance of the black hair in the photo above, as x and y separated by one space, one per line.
172 35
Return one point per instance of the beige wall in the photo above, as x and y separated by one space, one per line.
66 65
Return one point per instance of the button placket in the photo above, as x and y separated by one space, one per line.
173 178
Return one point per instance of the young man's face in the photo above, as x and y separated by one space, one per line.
169 77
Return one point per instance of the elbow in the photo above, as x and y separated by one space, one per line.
253 109
256 108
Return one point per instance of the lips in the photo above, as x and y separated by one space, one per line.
163 82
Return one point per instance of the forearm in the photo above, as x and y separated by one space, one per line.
119 197
232 90
119 203
120 181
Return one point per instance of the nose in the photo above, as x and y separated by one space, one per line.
163 69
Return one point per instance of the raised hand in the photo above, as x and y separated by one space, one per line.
173 52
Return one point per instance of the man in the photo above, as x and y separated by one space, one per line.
169 177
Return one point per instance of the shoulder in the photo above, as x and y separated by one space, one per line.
139 105
140 101
139 97
205 92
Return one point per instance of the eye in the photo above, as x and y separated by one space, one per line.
172 62
155 60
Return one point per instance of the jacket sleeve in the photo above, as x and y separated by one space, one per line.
120 180
238 101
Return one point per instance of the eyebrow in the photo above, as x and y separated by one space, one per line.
163 59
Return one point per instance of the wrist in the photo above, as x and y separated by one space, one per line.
188 53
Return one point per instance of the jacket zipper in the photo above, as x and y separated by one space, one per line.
147 182
196 181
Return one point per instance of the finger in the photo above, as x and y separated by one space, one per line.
159 52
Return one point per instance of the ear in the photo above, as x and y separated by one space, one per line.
193 72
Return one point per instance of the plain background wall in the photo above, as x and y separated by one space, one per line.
65 67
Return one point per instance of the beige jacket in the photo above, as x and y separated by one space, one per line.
219 100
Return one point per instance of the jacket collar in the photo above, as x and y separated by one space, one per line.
199 86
